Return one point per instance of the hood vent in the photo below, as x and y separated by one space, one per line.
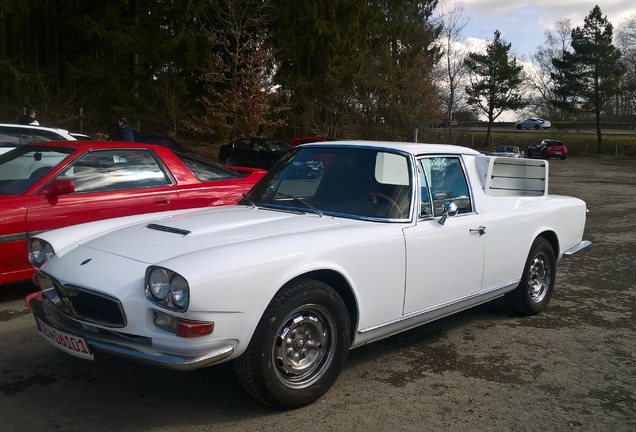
167 229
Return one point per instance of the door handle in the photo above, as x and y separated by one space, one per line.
481 230
162 200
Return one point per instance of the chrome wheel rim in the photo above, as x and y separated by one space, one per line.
539 278
304 346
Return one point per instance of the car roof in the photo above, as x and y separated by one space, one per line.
37 127
413 148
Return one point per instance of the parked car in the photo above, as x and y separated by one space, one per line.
305 140
533 123
303 269
56 184
547 148
508 151
253 152
13 135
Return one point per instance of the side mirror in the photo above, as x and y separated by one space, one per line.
59 187
450 210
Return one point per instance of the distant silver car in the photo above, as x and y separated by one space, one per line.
508 151
533 123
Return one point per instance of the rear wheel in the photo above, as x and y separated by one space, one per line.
537 127
533 293
229 161
518 127
298 348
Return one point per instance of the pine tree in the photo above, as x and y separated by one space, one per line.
495 81
592 71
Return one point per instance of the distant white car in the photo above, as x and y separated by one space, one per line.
533 123
13 135
508 151
382 238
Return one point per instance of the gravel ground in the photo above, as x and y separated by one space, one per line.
572 367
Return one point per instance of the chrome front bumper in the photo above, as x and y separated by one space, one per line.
133 347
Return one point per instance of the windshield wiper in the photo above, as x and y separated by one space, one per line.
302 201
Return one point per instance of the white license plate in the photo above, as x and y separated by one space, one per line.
72 344
557 152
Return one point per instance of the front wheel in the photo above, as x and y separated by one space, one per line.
229 161
533 293
518 127
537 127
299 346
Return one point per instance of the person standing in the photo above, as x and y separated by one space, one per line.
28 118
125 131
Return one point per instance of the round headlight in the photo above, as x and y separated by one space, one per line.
159 283
179 292
40 252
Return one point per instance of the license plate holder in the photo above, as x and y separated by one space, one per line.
69 343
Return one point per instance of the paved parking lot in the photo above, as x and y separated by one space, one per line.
570 368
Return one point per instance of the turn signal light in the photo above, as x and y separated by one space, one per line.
191 329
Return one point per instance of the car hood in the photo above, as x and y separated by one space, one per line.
173 236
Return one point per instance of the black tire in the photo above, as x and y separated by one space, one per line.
518 127
562 157
537 127
533 293
299 346
530 154
228 161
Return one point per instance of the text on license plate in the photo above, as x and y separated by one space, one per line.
72 344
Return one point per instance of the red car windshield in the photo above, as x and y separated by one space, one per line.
23 166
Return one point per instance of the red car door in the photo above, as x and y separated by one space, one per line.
108 183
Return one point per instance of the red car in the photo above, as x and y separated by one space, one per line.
55 184
547 148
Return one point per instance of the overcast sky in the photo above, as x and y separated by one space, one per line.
523 23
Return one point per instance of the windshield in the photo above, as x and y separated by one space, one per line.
22 167
345 181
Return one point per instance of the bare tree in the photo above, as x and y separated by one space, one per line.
557 42
454 53
626 42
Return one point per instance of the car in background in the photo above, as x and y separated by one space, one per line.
508 151
253 152
13 135
50 185
383 238
547 148
533 123
300 140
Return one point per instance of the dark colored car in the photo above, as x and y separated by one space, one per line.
50 185
547 148
253 152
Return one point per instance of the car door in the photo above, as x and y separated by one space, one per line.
444 261
108 183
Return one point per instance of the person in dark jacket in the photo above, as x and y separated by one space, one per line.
28 118
125 131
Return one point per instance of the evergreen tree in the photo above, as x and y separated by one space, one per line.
592 71
495 80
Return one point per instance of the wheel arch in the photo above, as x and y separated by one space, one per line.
553 239
339 283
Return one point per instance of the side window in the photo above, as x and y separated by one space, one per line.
116 169
9 135
444 180
206 172
42 135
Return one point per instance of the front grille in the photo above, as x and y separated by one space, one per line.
87 305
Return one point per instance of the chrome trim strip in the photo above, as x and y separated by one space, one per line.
423 316
575 249
7 238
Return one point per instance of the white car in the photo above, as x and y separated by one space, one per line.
383 238
533 123
508 151
13 135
